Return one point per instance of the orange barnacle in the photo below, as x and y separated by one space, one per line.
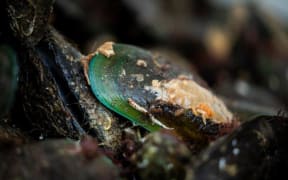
203 110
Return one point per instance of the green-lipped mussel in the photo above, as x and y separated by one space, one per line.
154 92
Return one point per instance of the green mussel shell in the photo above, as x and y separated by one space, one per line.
131 73
113 80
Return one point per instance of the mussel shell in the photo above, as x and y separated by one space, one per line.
55 97
127 75
256 150
118 78
8 77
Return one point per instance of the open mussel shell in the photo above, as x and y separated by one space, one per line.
8 77
153 92
54 99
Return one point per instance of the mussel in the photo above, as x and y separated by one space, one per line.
256 150
8 77
155 92
53 98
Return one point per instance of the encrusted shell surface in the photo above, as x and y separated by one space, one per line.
154 91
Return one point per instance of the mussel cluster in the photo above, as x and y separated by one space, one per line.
125 112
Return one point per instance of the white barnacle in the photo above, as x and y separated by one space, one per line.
123 73
139 108
136 106
188 94
138 77
141 63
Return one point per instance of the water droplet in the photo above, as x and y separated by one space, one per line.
222 163
236 151
41 137
234 142
242 88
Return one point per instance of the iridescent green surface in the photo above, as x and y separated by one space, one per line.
112 82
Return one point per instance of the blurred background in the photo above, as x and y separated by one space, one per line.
239 47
